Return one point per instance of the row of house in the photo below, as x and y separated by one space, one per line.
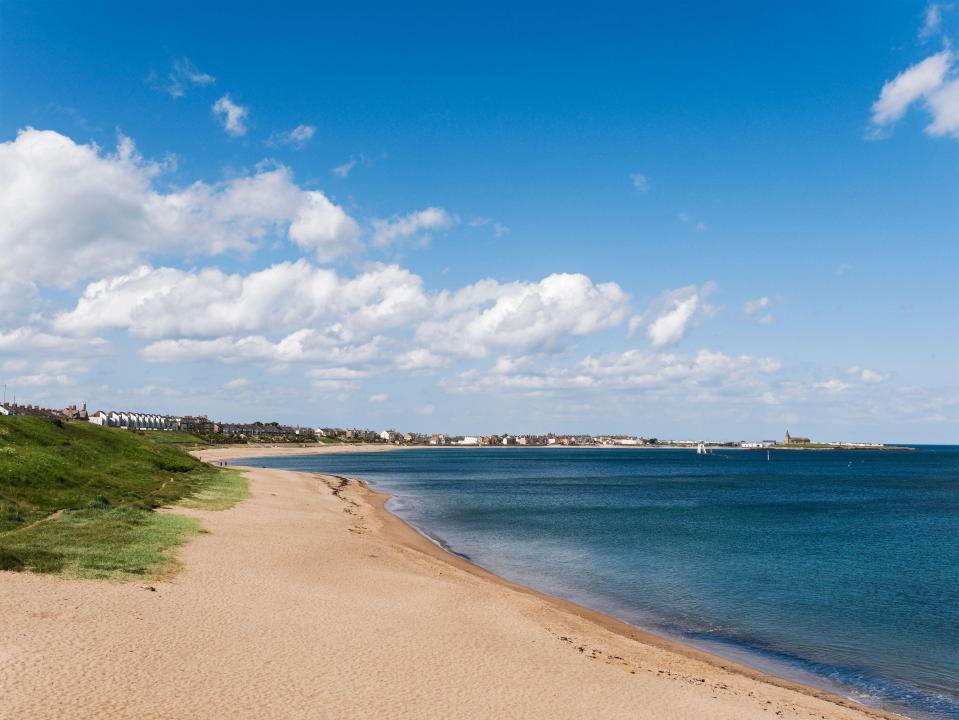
13 408
260 429
136 421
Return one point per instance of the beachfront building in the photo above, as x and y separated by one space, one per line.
795 440
132 420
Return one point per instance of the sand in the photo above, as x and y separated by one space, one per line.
310 601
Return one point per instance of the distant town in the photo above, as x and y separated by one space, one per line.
217 432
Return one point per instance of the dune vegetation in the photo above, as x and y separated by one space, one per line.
83 500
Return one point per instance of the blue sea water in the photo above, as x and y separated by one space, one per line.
836 568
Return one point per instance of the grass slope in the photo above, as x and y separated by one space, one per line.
81 499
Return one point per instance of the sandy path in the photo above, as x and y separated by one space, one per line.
305 603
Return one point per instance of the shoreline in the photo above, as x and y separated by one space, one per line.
414 538
408 535
254 451
311 599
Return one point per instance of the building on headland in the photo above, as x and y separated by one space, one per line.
795 440
757 444
68 413
134 420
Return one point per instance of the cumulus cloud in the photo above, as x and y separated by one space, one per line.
832 385
317 313
344 169
931 21
19 299
232 115
521 316
71 211
675 311
420 359
298 137
183 74
336 378
928 81
298 347
379 398
757 310
697 225
324 228
387 232
649 371
24 340
168 302
866 375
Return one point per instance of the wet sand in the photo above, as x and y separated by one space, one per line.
310 600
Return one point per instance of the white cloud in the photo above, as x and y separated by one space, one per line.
41 380
24 340
182 74
521 316
232 116
833 385
355 160
320 316
677 310
336 378
324 228
756 310
379 398
420 359
640 182
297 347
944 108
931 21
386 232
700 227
867 375
19 299
707 371
236 383
298 137
344 169
167 302
71 211
928 81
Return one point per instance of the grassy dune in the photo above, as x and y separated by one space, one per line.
81 499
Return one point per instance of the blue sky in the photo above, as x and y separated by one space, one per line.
675 221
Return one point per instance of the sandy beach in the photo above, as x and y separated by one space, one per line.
309 600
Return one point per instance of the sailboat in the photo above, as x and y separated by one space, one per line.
701 449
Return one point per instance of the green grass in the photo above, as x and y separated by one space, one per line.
80 499
177 438
224 490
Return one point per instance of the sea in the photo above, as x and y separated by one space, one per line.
839 569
